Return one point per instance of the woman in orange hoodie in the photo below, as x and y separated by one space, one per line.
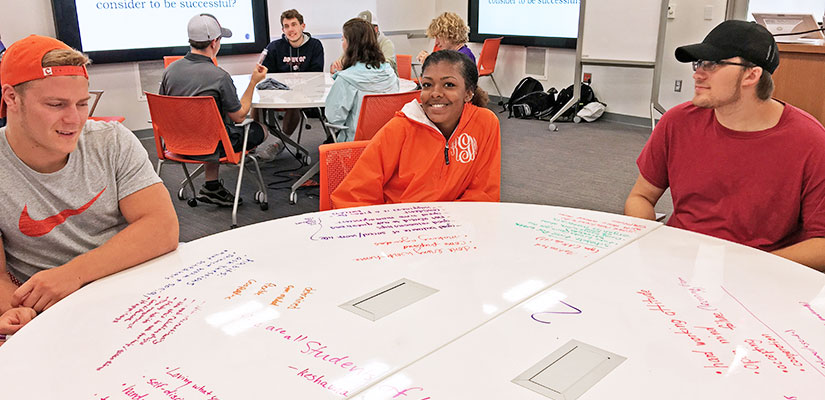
445 147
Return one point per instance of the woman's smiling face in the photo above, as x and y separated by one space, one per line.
443 94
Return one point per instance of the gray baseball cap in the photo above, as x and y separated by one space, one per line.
369 16
205 27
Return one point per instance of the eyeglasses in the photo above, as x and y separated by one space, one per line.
710 66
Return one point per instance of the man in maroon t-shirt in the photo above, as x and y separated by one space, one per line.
740 165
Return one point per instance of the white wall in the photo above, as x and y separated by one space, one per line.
625 90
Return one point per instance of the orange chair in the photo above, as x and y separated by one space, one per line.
192 126
336 160
378 109
170 59
404 64
97 95
487 62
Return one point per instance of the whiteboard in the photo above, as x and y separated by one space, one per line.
328 17
320 17
625 30
694 317
256 312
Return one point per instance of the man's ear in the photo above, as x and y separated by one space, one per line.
11 97
752 76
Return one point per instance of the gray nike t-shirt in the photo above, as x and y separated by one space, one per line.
49 219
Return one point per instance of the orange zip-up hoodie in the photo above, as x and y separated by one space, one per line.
409 160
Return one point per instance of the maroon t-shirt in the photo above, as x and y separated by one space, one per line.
764 189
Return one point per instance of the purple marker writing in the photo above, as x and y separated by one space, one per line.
261 58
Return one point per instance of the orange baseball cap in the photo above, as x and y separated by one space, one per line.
23 62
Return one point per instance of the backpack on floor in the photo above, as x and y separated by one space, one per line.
534 105
525 86
587 97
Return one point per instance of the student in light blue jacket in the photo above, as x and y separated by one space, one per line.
366 71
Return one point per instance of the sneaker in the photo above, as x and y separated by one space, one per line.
269 151
220 197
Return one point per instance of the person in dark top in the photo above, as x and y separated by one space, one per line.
196 75
295 51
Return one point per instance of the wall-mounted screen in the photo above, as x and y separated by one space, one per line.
547 23
133 30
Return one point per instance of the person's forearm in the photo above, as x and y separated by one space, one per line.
246 99
640 207
142 240
810 252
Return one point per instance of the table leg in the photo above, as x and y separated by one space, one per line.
302 153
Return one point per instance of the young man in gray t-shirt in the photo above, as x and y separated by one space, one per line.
80 200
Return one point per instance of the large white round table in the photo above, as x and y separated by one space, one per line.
439 301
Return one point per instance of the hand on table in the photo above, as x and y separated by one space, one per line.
422 56
46 288
14 319
259 73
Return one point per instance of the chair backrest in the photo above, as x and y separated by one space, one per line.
488 56
404 64
189 126
336 160
170 59
378 109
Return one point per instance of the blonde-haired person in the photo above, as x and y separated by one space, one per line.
83 190
450 33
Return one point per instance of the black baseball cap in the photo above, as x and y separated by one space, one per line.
734 38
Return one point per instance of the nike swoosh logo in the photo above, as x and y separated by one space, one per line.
36 228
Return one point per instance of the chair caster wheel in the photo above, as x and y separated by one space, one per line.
192 202
233 226
264 206
181 195
307 159
553 128
293 198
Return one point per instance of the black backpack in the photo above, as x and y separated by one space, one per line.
525 86
587 97
534 105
